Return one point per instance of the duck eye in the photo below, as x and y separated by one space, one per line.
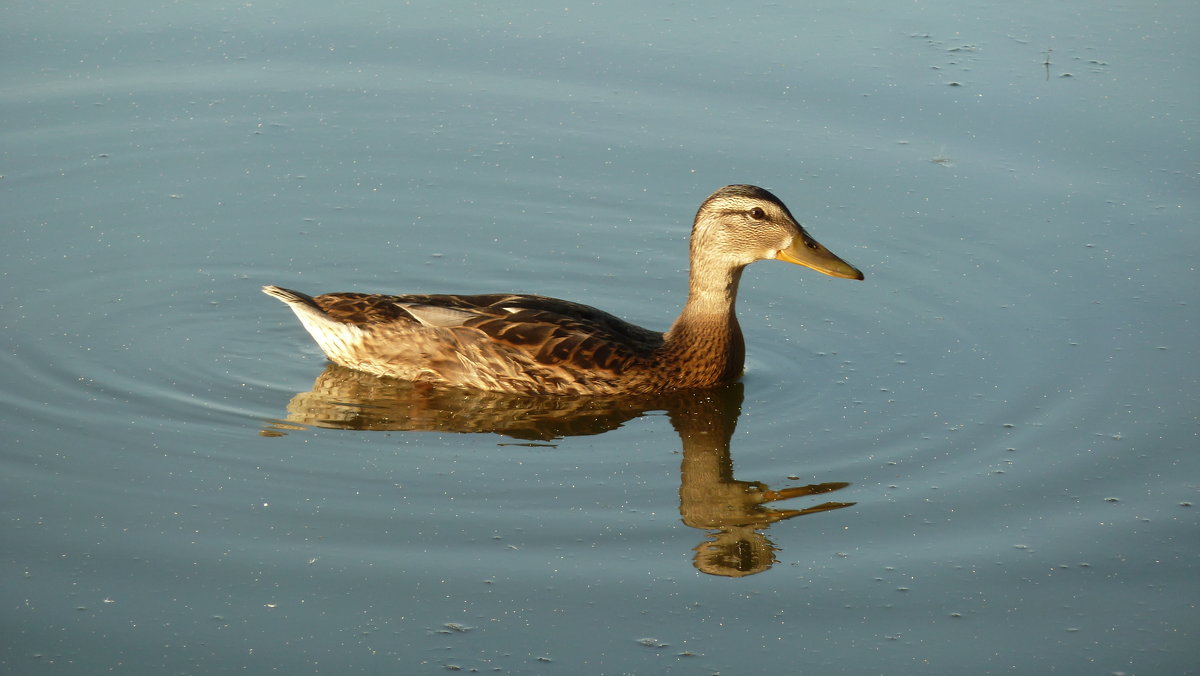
757 214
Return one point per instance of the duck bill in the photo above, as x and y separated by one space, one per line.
808 252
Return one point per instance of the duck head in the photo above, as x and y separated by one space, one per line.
740 224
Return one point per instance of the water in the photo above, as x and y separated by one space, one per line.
999 424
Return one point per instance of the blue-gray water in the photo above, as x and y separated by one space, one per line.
1011 395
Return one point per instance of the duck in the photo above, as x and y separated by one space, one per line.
526 344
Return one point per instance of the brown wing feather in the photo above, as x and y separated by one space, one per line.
361 308
555 332
562 333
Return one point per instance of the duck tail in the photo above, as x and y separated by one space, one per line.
289 296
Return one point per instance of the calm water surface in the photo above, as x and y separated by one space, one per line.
982 459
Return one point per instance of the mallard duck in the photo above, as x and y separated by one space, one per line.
529 344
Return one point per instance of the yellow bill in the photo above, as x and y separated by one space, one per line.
808 252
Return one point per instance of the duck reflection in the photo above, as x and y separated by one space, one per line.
733 513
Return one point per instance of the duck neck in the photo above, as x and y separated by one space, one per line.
706 336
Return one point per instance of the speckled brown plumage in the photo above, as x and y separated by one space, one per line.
540 345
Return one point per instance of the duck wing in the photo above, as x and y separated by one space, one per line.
550 330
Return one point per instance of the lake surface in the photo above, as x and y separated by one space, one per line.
981 459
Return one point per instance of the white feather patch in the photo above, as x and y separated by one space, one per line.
437 316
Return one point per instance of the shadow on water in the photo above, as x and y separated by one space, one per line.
733 514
